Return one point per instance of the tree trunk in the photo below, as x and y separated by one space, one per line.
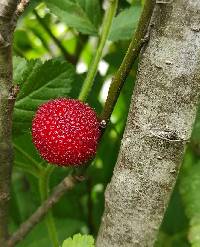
7 8
160 120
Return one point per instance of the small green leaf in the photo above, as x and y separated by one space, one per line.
79 241
83 15
125 23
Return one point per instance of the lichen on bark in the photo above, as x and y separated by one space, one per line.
160 120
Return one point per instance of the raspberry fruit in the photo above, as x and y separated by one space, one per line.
66 132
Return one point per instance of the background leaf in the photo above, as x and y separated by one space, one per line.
125 23
79 241
83 15
190 184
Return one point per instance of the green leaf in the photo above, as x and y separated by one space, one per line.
125 23
25 154
93 10
39 83
22 40
190 184
83 15
19 67
190 191
173 231
79 241
23 188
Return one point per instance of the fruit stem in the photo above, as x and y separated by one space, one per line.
106 26
44 193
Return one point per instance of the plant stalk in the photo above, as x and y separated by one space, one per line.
89 81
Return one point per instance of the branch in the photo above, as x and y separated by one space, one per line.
138 40
160 120
65 53
67 184
7 99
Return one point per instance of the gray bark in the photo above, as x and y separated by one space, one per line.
160 121
7 8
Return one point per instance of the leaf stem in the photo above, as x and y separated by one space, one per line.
44 192
134 48
89 81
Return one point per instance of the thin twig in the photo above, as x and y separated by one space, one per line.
135 46
67 184
65 53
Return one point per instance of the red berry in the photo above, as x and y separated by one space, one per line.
66 131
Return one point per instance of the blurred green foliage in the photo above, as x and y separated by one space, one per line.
42 39
79 241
